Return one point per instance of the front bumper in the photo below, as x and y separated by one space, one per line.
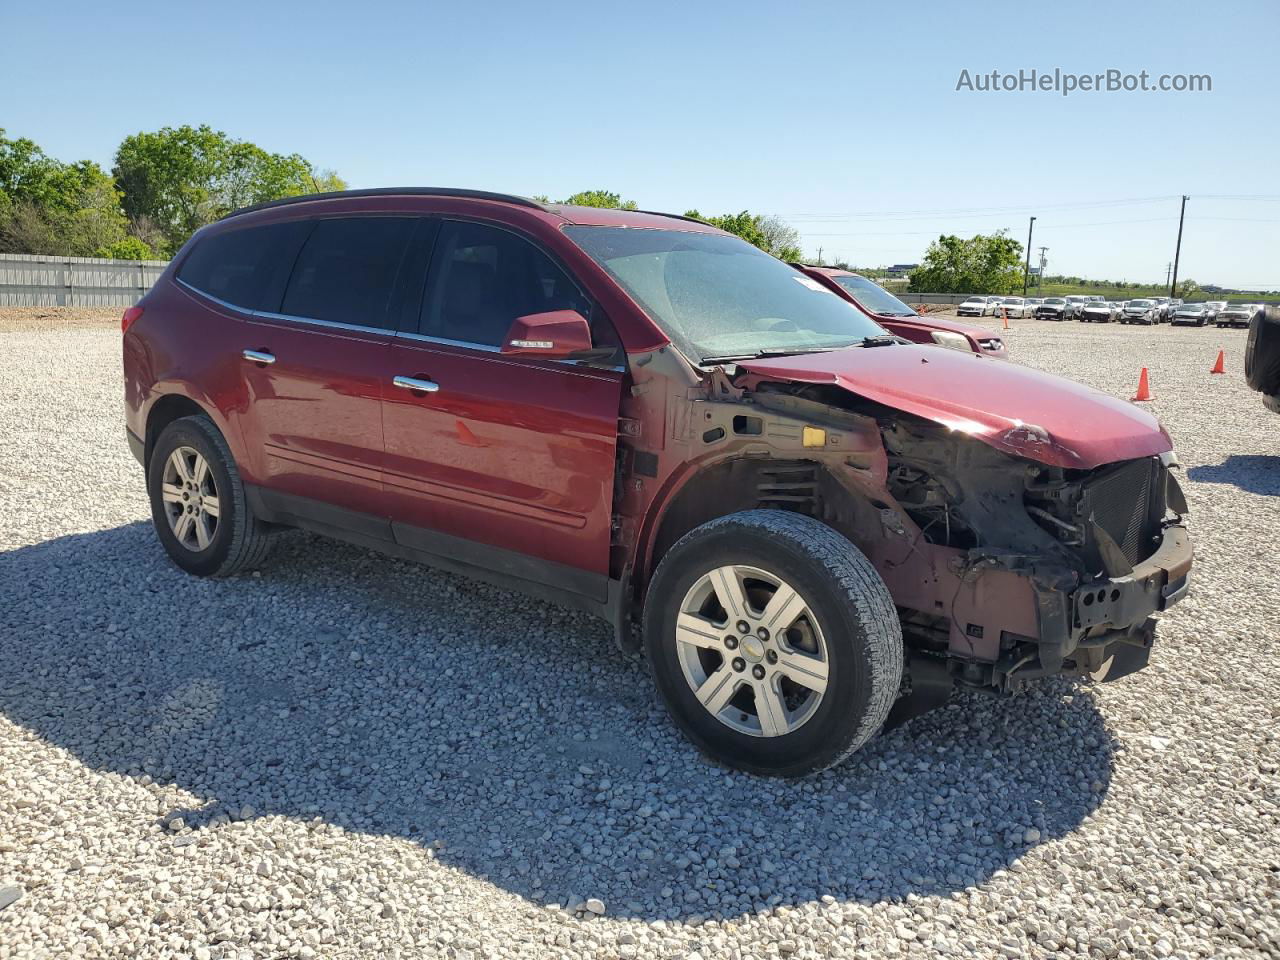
1103 629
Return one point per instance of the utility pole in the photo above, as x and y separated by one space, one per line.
819 256
1040 278
1026 269
1177 251
1168 268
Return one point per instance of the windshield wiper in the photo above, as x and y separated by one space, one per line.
883 340
767 352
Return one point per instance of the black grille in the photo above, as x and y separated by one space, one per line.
1128 503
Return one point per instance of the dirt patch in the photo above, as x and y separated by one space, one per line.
49 318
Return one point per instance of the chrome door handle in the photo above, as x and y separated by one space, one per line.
422 386
257 356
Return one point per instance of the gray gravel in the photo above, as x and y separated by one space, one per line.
346 755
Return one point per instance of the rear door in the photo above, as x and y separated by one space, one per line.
509 463
315 389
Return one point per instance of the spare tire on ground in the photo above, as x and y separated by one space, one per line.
1262 356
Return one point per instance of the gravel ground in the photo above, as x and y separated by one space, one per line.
344 755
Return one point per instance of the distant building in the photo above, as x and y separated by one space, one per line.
900 269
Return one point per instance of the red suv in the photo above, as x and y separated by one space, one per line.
817 529
896 317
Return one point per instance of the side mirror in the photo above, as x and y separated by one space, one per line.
557 335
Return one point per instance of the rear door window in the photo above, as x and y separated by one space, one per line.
347 270
246 268
483 278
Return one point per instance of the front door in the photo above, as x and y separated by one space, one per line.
508 463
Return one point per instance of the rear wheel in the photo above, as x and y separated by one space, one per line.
773 641
198 503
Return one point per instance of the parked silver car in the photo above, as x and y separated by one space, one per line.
1238 314
1099 311
1075 306
1140 311
1193 314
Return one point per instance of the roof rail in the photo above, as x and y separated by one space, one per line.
676 216
391 192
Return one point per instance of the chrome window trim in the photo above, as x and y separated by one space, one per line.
465 344
269 315
488 348
356 328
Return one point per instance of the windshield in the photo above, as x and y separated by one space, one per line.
719 296
1012 301
874 298
1054 300
1139 303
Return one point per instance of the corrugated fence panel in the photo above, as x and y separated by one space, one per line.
37 281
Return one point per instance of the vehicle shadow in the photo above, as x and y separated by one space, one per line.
507 735
1252 472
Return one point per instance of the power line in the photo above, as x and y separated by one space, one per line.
920 233
974 211
889 215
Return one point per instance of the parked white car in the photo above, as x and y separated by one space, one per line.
1015 307
977 307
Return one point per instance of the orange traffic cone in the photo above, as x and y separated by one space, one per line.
1005 312
1144 388
1218 367
921 310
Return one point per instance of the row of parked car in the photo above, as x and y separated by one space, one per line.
1094 309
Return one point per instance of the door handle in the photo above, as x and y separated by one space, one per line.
258 356
419 386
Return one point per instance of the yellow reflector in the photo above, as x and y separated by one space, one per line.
814 437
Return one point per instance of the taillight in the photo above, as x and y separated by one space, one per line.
127 319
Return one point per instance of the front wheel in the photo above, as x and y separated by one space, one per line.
773 641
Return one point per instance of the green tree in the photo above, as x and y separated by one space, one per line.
69 209
182 178
782 239
130 248
600 198
770 234
986 263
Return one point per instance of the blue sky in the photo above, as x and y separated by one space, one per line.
845 119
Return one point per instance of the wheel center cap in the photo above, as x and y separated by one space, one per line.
752 649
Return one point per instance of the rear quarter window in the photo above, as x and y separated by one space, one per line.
347 270
246 268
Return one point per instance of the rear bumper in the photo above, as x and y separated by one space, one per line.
136 446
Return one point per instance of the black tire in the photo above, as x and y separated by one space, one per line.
855 614
240 540
1262 351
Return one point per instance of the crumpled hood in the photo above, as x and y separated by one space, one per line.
1015 409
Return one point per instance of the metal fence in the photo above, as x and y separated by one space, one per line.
41 281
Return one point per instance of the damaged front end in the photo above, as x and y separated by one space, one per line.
1005 567
1027 570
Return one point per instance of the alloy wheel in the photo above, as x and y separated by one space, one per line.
752 651
190 498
